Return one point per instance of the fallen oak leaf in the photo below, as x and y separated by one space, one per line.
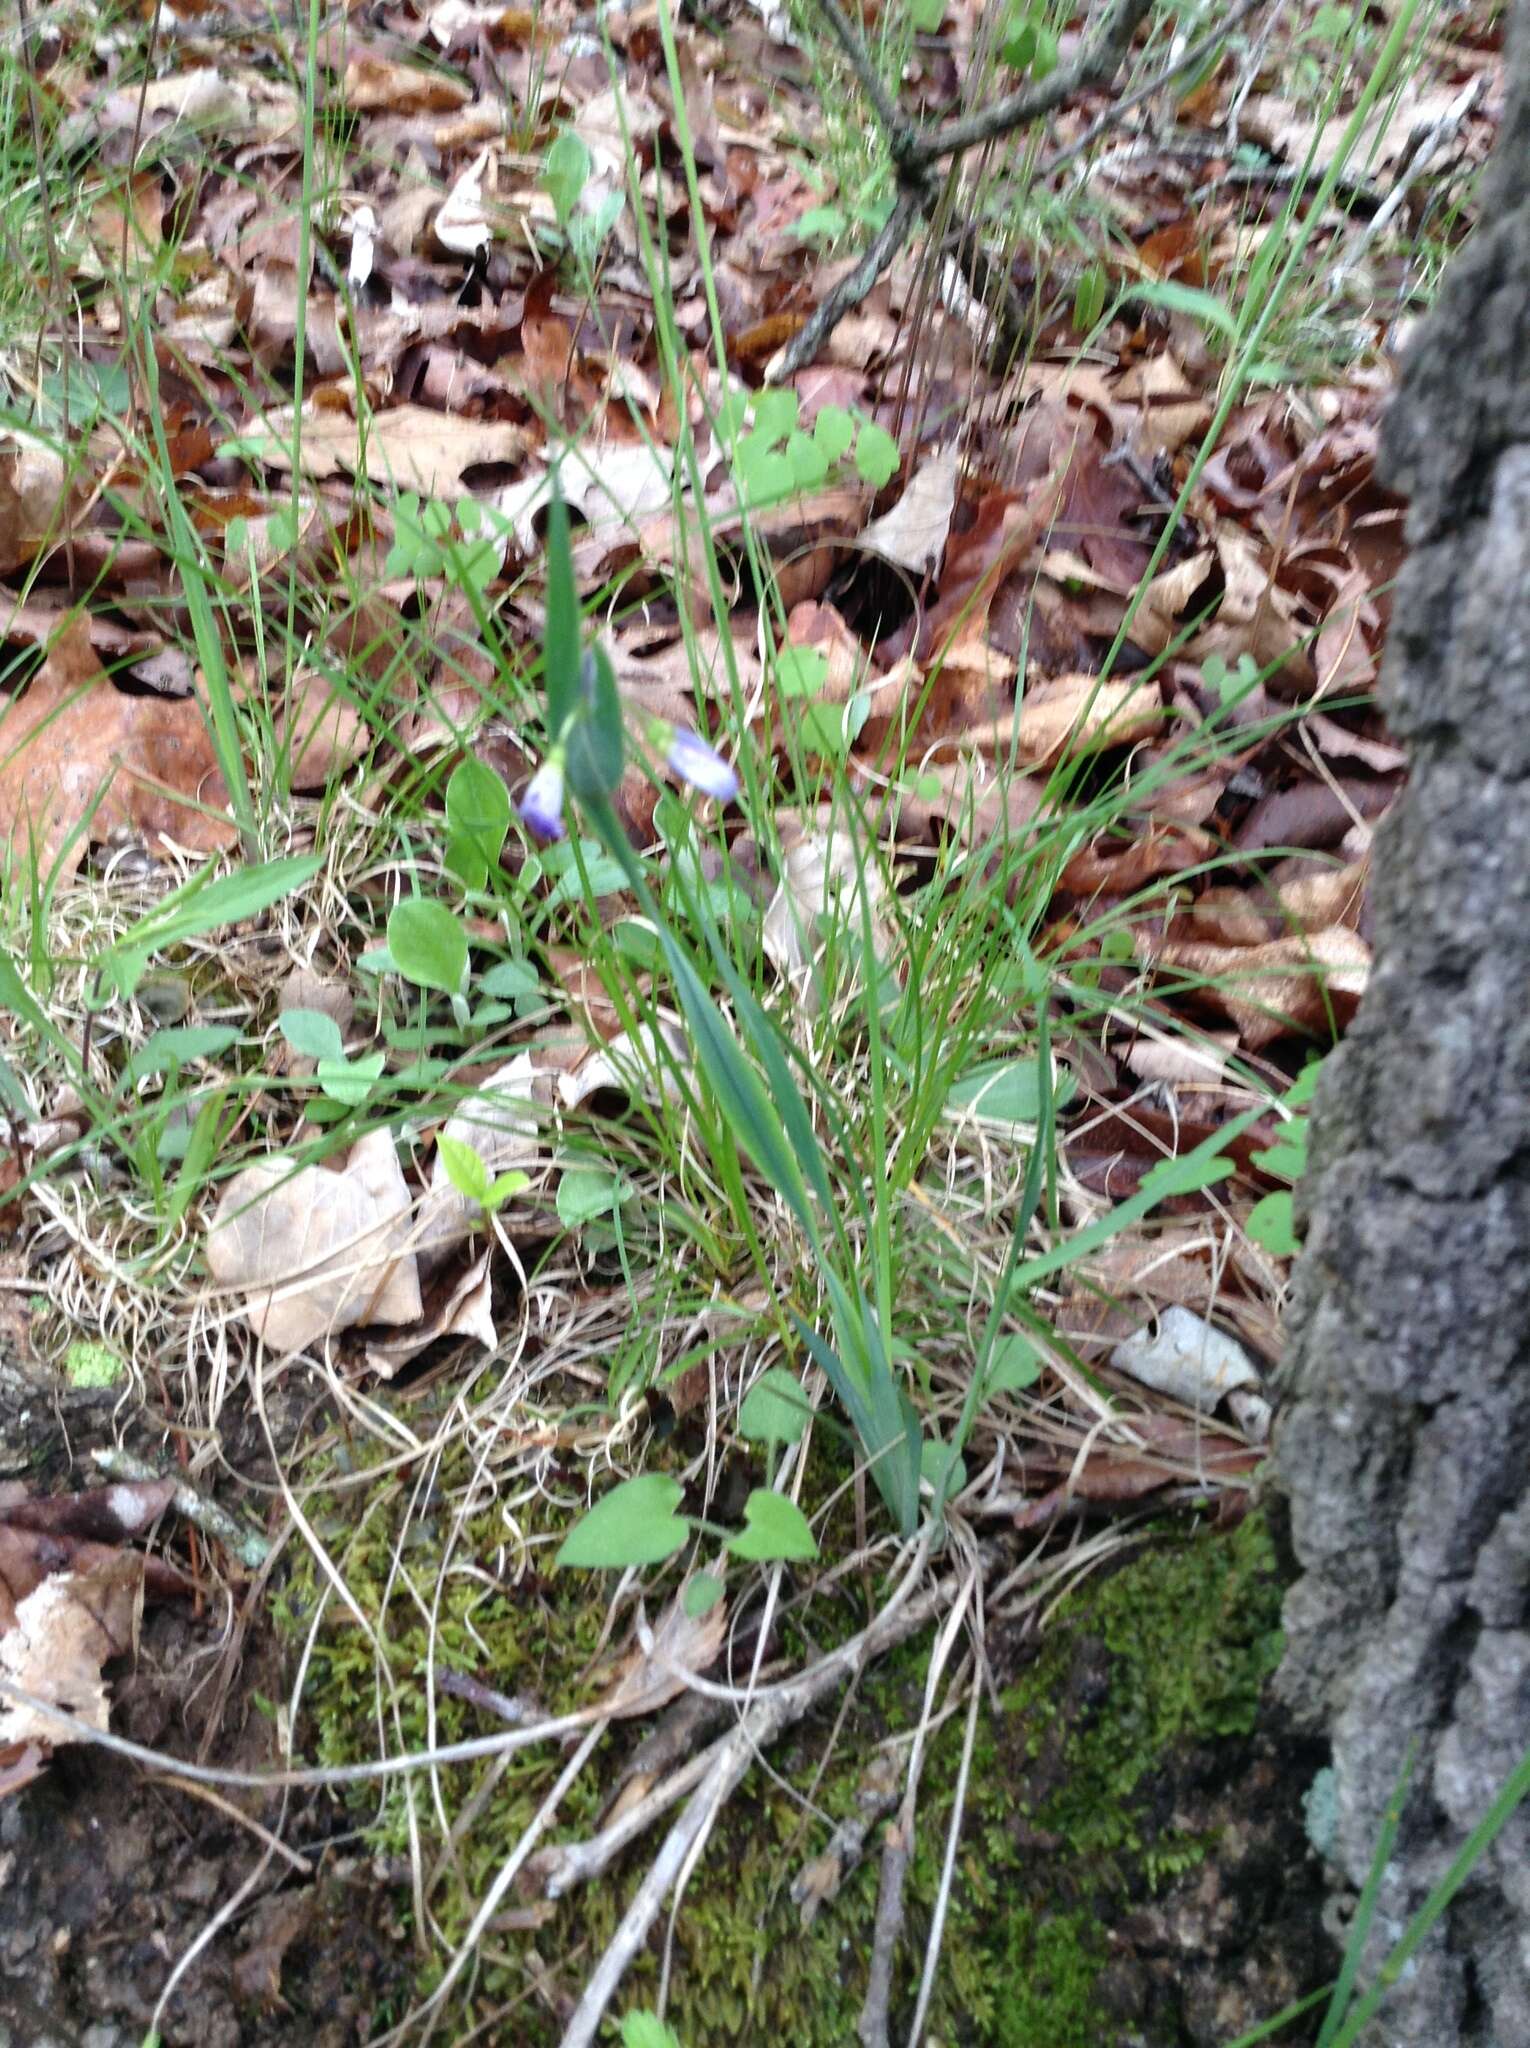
912 533
64 1631
34 493
1064 716
374 83
72 745
1304 983
408 446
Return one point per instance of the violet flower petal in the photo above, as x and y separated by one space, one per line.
695 762
542 804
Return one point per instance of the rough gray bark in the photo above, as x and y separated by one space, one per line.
1404 1444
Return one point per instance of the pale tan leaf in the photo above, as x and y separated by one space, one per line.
1066 714
313 1252
680 1647
408 446
33 494
462 225
827 885
913 532
1295 983
65 1630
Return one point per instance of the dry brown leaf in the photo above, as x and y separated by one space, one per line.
33 494
72 735
463 1307
827 884
234 105
912 533
1293 132
407 446
1066 715
1301 983
680 1647
1327 897
374 83
972 800
313 1252
615 484
319 730
64 1631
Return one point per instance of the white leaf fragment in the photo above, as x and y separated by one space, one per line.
1192 1361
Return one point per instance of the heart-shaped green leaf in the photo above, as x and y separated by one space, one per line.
774 1528
1015 1364
313 1034
636 1523
775 1409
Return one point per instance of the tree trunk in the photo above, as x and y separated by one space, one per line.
1404 1444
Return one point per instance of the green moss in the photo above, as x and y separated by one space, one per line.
1058 1837
89 1364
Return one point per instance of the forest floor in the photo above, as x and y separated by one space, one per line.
713 1221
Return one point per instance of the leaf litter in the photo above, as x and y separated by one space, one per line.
952 576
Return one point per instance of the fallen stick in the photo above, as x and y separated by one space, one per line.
729 1760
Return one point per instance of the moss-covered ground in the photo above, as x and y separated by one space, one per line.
1062 1831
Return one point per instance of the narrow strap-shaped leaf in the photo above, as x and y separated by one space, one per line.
561 650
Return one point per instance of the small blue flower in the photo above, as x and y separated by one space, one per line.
542 805
694 762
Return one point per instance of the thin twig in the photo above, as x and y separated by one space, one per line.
1095 64
1187 60
731 1759
948 1866
850 290
250 1546
896 126
916 150
897 1845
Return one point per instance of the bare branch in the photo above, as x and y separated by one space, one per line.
852 289
898 128
1096 64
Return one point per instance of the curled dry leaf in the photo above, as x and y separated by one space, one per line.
1301 983
461 1307
632 1062
65 1629
462 225
408 446
1195 1363
680 1647
1066 715
968 797
615 484
33 493
1169 1452
827 884
375 83
313 1252
72 737
1327 896
234 104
